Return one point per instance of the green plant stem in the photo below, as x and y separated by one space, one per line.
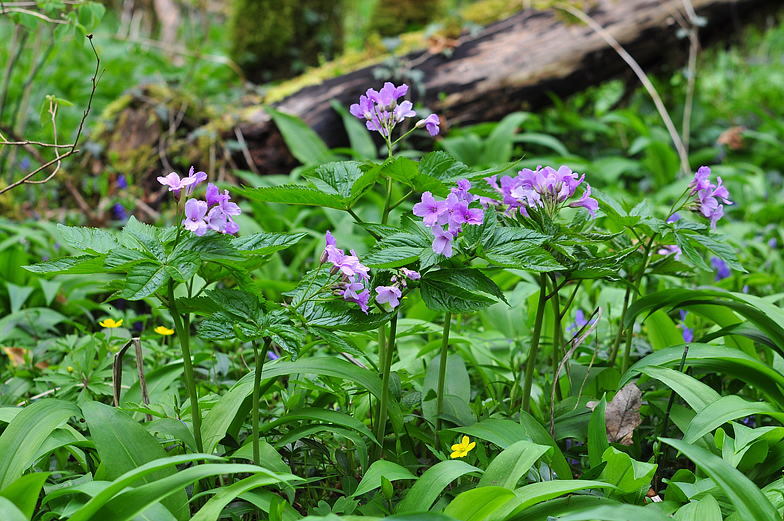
385 371
665 423
257 396
184 337
619 334
388 203
630 330
530 365
442 377
556 336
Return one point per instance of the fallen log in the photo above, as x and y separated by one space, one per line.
510 65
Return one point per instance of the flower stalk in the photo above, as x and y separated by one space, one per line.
442 377
182 326
530 364
257 396
389 350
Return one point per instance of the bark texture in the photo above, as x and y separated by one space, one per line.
513 65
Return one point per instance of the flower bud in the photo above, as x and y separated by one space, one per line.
70 369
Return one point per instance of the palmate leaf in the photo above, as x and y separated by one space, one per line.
459 290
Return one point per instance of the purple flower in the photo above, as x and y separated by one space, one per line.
214 196
272 355
353 274
700 181
673 218
722 270
432 123
579 322
462 190
429 209
231 227
772 243
195 211
381 110
388 295
688 334
671 249
586 201
122 182
195 179
443 241
176 184
544 188
411 274
216 219
119 212
707 196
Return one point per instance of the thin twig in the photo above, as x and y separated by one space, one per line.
246 151
632 63
95 80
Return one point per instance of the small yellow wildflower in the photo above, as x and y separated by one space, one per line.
163 330
462 448
110 323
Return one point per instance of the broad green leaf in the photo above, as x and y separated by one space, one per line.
313 414
747 498
459 290
110 491
339 316
392 257
10 512
717 359
124 445
265 243
512 464
662 331
76 265
535 493
304 144
24 492
544 140
372 478
457 389
91 240
705 509
539 435
329 366
723 410
430 485
500 143
174 428
480 503
624 472
182 265
697 394
545 511
597 434
131 502
121 258
33 425
220 418
442 165
407 171
212 510
294 194
269 457
336 178
495 430
144 279
212 246
336 342
617 512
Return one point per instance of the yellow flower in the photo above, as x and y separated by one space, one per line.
163 330
110 323
462 448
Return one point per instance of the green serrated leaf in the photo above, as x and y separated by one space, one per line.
68 264
459 290
265 243
143 280
88 239
294 194
336 178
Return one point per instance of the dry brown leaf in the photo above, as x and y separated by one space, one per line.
622 414
17 357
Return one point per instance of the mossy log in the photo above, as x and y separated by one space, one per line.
512 65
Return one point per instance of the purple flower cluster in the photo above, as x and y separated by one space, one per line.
722 270
688 334
708 195
353 275
381 110
213 214
454 213
671 249
545 188
389 296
